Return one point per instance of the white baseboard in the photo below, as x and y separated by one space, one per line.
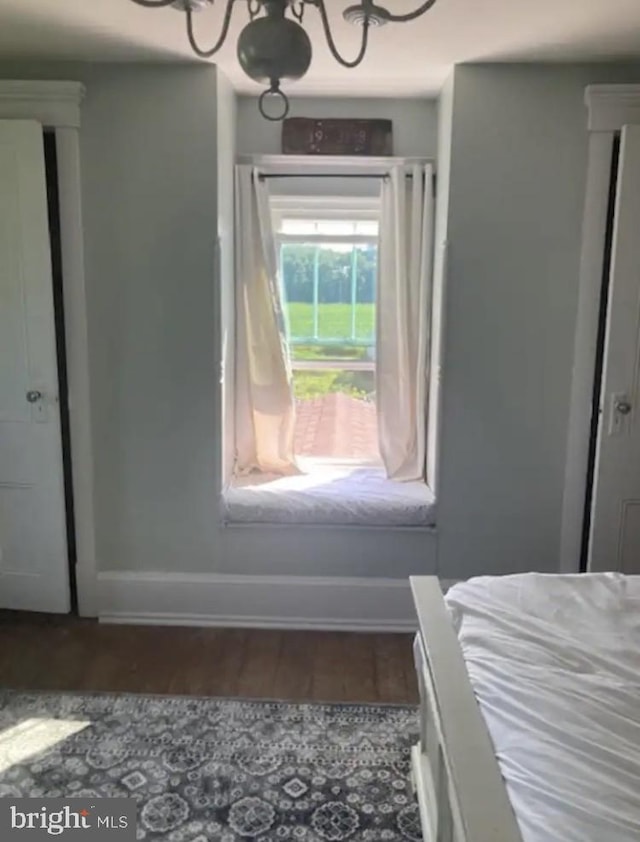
286 602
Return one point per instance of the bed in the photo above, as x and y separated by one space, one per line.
530 709
339 496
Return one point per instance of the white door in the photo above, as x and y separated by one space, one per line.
34 572
615 517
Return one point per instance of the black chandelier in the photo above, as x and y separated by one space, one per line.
273 47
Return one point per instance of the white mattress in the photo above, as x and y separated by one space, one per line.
341 496
555 665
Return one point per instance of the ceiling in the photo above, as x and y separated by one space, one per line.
411 59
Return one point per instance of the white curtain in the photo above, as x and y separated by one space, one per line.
403 319
265 408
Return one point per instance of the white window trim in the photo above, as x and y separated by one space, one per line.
338 208
319 207
328 239
364 208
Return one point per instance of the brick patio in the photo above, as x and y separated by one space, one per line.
336 426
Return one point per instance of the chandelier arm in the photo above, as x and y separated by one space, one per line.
154 4
331 42
298 11
223 34
410 15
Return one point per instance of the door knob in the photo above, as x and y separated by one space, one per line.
623 407
34 396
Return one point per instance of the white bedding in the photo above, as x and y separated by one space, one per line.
341 496
555 665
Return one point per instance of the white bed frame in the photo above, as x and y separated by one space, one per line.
460 789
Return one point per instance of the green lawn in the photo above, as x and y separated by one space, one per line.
334 323
334 320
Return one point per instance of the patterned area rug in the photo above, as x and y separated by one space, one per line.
208 769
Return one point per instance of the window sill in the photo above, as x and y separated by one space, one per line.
285 526
333 496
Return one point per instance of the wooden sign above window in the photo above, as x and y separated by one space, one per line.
306 136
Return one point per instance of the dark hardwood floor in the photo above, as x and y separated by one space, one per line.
38 652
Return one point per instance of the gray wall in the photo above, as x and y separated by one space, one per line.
415 122
148 155
149 189
518 164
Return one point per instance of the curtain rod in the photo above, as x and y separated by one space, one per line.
263 176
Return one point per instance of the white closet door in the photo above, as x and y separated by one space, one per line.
34 572
615 518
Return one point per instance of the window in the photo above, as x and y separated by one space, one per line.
344 445
328 269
